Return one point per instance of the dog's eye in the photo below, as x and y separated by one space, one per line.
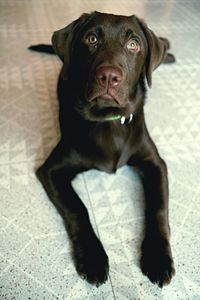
133 45
92 39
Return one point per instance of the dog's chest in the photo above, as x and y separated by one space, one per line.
114 147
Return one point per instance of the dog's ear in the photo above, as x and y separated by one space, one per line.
62 42
156 51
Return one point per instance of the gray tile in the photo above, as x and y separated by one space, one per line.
13 199
192 222
13 241
35 222
187 250
3 222
4 264
17 285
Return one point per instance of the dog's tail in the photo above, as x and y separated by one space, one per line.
42 48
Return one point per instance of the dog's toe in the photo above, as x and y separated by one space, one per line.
91 261
157 262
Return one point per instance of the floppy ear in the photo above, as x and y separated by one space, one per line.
62 43
156 52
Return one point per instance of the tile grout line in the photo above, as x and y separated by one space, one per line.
21 162
9 264
183 221
11 222
189 210
22 96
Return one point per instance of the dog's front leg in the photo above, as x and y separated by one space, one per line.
56 174
156 261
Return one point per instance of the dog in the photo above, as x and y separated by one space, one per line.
108 62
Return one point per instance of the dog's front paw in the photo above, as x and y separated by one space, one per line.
157 262
91 260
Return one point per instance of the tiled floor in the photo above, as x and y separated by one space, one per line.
35 260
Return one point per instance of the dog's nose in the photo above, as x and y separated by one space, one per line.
109 76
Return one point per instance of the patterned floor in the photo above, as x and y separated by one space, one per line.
35 260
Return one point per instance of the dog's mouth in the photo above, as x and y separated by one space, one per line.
101 110
105 105
107 114
109 96
107 99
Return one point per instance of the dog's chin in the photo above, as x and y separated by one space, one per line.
97 114
101 110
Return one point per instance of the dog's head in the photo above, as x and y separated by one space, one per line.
104 58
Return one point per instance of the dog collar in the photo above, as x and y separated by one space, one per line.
123 119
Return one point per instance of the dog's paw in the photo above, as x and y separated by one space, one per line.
169 59
91 260
157 262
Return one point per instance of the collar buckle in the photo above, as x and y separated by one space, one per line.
124 121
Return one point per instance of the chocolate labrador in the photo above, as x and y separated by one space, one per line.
107 60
